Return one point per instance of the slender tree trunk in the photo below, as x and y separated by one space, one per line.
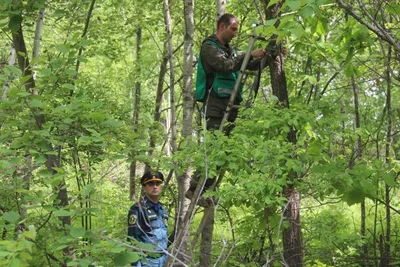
172 110
292 238
136 112
220 6
267 213
38 33
386 257
10 62
187 129
159 95
357 157
84 32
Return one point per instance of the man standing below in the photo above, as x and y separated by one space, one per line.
221 64
147 221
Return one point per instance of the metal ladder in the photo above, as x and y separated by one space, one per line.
239 80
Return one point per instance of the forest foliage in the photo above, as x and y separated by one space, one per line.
68 134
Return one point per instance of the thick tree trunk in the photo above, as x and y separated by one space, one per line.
292 243
292 238
206 237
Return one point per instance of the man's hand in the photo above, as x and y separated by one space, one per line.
258 52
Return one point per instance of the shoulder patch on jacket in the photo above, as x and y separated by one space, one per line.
132 219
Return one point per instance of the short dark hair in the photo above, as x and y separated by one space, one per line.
226 19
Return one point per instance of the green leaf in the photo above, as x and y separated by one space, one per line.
68 86
315 148
62 213
297 32
113 123
88 189
4 164
12 69
84 140
35 103
393 9
86 42
85 262
354 196
15 23
272 2
389 179
62 48
11 216
97 116
77 232
15 263
58 247
4 254
40 159
126 258
306 12
323 2
24 94
294 4
118 249
83 59
31 233
322 26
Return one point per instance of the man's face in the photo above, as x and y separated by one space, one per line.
152 189
228 32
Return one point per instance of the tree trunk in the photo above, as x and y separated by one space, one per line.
292 238
187 128
386 257
172 110
353 160
292 244
10 62
38 34
206 237
221 6
136 112
159 96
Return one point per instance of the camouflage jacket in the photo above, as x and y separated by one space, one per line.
215 60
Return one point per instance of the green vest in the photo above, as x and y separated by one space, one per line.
223 82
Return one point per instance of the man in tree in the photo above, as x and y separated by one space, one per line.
147 221
221 64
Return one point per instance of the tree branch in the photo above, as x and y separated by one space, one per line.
379 31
